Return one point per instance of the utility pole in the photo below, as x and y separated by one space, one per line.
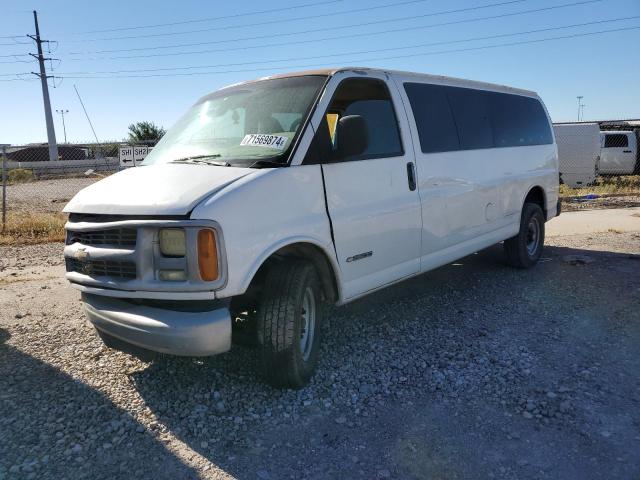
64 127
582 105
51 132
579 97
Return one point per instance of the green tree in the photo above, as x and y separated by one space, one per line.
145 132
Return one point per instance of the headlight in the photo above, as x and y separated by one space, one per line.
173 242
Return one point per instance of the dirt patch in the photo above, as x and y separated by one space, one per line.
573 204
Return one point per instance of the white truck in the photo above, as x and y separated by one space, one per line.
271 198
578 152
620 154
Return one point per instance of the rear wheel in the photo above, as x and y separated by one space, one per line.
289 317
524 250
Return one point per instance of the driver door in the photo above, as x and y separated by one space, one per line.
372 197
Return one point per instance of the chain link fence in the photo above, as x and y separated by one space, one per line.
35 189
592 153
598 157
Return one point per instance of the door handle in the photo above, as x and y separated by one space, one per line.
411 175
626 151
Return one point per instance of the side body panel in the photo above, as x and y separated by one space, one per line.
472 199
275 208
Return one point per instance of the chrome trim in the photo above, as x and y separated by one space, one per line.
146 295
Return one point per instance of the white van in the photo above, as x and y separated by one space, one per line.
578 152
619 152
269 199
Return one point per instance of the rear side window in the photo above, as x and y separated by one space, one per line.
618 140
454 118
471 112
518 121
436 126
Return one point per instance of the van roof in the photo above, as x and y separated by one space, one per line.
418 76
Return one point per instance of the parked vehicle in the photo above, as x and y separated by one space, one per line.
269 199
620 154
578 152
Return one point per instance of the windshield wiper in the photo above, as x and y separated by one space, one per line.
200 159
266 164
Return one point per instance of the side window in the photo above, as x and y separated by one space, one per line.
471 112
434 119
370 99
518 121
617 140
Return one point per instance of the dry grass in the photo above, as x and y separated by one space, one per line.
20 175
623 185
24 228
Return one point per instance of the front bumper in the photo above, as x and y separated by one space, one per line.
182 333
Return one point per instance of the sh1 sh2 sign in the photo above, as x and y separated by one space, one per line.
131 156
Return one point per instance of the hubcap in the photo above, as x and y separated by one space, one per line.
533 236
308 323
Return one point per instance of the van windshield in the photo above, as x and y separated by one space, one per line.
242 124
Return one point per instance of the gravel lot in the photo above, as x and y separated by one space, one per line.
46 195
474 370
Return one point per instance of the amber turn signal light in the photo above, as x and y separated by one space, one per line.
207 255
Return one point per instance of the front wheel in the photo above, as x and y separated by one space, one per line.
290 316
524 250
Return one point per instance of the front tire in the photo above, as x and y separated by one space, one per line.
290 316
524 250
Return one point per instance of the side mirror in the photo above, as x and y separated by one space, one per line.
352 136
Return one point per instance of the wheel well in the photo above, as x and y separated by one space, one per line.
306 251
536 195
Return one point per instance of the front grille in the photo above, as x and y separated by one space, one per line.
102 268
119 237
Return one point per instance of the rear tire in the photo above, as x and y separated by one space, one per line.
290 316
524 250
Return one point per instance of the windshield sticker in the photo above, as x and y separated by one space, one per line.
262 140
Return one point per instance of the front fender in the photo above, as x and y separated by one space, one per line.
326 249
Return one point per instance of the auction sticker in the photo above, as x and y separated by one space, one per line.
263 140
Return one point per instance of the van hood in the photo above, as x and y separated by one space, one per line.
167 189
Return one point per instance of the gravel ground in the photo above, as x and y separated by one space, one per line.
474 370
46 195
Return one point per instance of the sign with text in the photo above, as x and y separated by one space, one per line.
133 155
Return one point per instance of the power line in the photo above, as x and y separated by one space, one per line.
210 19
15 61
18 79
370 59
13 44
360 52
14 55
338 37
14 74
361 24
293 19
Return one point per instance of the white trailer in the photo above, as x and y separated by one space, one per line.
578 152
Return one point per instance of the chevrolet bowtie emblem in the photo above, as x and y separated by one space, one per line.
81 254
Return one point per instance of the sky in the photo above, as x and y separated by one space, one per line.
178 51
